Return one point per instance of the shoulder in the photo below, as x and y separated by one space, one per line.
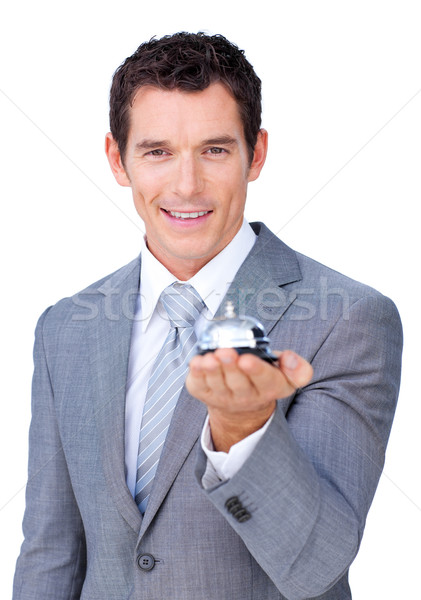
316 289
332 288
109 292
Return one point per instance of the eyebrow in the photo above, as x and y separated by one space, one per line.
150 144
223 140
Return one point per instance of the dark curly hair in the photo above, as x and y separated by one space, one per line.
189 62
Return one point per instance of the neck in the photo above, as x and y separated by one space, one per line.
183 270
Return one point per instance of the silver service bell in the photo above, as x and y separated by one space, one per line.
244 334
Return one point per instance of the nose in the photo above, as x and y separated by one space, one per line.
188 178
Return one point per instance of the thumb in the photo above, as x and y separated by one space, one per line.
295 368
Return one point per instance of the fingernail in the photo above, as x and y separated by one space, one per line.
290 361
226 359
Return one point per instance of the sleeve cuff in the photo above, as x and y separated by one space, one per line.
221 466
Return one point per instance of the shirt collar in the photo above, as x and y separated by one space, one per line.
154 278
211 282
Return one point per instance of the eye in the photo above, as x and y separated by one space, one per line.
157 152
216 150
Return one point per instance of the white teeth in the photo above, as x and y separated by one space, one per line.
192 215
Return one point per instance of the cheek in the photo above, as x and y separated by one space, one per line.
230 184
145 188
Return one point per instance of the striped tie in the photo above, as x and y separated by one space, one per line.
183 305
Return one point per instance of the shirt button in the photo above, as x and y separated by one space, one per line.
146 562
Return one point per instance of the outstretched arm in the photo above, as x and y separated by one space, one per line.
309 482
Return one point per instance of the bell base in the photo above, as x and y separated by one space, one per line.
266 356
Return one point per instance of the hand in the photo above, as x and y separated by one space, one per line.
240 391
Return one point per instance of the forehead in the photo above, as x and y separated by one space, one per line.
155 111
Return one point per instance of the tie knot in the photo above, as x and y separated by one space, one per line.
182 303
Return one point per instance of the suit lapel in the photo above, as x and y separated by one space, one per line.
109 348
257 289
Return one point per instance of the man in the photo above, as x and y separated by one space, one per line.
262 475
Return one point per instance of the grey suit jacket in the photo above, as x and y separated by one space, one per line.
307 486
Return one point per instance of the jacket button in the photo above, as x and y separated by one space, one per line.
235 507
242 515
232 504
146 562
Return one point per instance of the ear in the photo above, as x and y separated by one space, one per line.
260 152
114 158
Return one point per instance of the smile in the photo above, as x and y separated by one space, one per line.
187 215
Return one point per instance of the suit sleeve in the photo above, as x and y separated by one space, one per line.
311 479
51 564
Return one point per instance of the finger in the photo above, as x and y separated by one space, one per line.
196 379
266 378
213 374
196 366
236 380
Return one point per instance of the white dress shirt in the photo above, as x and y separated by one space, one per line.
150 329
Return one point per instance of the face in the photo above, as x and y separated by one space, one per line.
188 167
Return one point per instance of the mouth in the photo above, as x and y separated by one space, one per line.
187 215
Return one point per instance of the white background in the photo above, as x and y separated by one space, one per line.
342 103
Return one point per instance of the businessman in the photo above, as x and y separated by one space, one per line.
155 474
